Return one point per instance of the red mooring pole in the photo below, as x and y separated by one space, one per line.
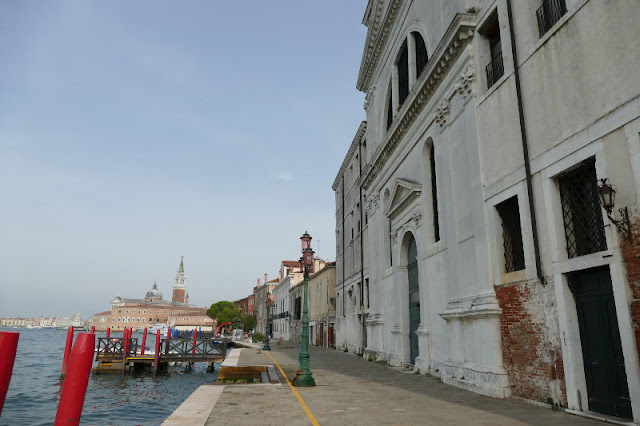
67 350
195 336
76 381
93 328
8 348
144 341
125 348
157 354
168 333
108 332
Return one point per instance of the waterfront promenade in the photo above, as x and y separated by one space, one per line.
351 390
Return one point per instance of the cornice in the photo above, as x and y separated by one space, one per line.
377 37
352 149
455 39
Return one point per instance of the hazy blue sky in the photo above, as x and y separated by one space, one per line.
133 133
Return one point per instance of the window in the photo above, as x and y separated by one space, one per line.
296 310
421 53
434 194
549 13
495 68
511 234
366 285
390 108
403 74
583 227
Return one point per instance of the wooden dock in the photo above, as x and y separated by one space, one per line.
111 358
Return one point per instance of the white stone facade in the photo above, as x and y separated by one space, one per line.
459 121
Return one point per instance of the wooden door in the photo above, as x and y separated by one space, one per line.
604 368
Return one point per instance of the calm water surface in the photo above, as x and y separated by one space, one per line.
112 399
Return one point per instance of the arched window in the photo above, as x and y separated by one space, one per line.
390 108
403 74
434 194
421 53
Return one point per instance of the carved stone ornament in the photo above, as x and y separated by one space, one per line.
416 218
465 86
394 237
372 204
442 112
369 99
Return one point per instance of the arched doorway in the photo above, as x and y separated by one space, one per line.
414 298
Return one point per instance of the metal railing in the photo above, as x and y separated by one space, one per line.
113 348
494 70
192 350
549 13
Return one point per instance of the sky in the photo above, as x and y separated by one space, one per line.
135 133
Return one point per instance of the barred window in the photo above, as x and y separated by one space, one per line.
583 227
511 234
549 13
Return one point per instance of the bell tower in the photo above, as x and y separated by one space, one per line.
179 285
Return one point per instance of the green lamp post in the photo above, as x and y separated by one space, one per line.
303 375
266 322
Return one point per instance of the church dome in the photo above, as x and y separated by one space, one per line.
154 294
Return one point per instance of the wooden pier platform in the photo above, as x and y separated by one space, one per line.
111 358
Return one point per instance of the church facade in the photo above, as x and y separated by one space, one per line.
471 242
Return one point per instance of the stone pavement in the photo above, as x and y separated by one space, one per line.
351 390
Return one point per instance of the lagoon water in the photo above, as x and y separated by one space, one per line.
111 399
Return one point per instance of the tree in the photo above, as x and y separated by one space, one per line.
248 322
223 311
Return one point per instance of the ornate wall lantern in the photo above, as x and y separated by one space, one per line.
607 195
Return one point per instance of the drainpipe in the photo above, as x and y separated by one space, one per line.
343 266
525 148
360 230
364 330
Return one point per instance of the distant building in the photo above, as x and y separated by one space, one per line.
296 304
74 321
322 306
263 301
243 305
141 313
290 275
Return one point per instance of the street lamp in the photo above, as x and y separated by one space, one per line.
607 195
303 375
266 322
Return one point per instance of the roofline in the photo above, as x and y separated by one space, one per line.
352 149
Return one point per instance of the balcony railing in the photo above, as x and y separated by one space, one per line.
494 70
549 13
